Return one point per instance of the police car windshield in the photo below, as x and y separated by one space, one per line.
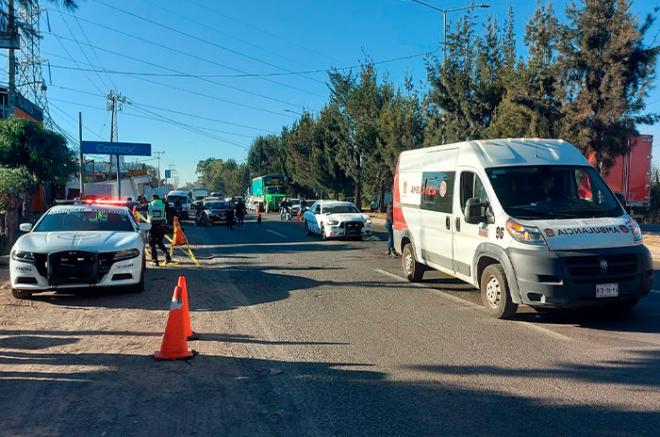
340 209
75 220
553 192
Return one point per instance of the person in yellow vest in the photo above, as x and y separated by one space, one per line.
156 216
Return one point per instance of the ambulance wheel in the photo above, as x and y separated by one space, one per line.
413 270
20 294
495 294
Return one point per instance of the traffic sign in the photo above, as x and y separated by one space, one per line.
168 174
109 148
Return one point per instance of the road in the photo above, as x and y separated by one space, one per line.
304 337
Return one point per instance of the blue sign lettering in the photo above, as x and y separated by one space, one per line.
108 148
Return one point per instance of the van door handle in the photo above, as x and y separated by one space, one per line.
448 223
458 224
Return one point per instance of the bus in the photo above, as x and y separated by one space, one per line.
270 190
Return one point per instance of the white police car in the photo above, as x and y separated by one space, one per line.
335 219
79 246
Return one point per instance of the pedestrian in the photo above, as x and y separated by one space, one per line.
157 217
240 213
390 230
230 218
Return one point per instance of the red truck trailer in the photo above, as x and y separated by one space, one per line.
631 173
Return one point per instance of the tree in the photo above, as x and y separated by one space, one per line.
607 71
266 155
40 151
15 180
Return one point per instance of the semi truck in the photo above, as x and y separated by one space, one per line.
269 191
630 175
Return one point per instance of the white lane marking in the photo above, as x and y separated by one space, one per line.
462 301
655 291
276 233
432 290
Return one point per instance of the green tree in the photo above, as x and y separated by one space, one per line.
607 71
40 151
15 180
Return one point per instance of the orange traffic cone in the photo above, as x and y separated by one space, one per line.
179 238
174 345
298 218
190 334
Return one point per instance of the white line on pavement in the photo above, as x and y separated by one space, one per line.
537 328
276 233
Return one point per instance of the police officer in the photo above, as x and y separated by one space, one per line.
156 216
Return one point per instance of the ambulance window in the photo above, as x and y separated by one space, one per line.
471 186
437 191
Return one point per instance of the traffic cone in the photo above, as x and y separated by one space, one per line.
174 345
298 218
190 334
179 238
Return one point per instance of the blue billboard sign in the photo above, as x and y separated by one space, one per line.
168 174
108 148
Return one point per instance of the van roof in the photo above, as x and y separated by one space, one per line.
177 193
500 153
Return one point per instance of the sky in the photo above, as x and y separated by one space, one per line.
211 104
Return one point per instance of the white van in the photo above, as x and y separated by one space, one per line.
527 221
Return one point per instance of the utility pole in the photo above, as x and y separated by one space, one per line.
11 30
82 162
115 102
158 158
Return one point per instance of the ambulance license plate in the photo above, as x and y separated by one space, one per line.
607 290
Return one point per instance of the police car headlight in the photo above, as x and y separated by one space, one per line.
332 222
525 234
368 221
125 254
26 257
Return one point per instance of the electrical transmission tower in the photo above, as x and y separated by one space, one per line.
30 81
114 103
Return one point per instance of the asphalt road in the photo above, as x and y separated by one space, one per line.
304 337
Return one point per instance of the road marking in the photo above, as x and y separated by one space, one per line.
432 290
276 233
537 328
655 291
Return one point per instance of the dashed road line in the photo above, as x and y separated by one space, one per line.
534 326
276 233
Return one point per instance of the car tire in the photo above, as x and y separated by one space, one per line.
495 293
412 269
20 294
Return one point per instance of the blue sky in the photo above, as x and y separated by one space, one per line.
228 38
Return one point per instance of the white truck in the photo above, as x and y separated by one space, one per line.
527 221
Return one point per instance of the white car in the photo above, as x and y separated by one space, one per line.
79 246
335 219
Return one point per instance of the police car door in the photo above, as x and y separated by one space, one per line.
467 236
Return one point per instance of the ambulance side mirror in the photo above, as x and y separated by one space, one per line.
475 211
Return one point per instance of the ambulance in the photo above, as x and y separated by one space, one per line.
526 221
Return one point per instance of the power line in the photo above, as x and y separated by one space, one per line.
197 116
188 53
84 34
189 35
179 72
216 30
194 75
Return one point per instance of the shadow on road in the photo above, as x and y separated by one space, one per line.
120 394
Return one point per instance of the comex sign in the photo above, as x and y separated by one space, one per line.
108 148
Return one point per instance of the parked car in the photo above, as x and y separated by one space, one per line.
79 246
180 203
335 219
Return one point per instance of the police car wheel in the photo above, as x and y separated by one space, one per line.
20 294
413 270
495 294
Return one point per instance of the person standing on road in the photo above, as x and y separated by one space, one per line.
240 213
230 217
156 216
390 230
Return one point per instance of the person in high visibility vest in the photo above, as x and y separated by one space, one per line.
156 216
